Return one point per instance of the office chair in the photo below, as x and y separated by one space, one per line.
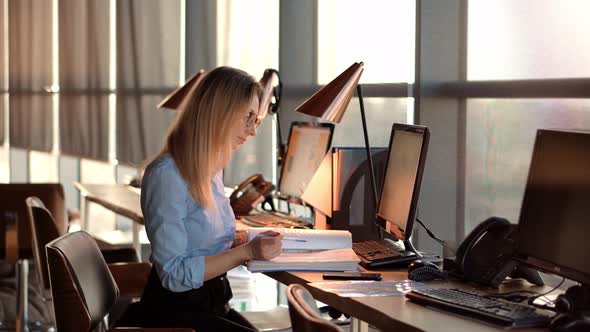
305 315
12 201
44 230
83 286
14 209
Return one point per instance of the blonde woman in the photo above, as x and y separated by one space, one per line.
188 219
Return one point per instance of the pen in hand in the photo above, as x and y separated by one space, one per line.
294 239
284 238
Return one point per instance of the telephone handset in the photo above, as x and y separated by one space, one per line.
249 194
485 256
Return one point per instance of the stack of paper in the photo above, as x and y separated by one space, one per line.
308 250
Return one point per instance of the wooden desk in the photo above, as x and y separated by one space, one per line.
119 198
396 313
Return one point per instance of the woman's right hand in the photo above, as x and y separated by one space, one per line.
265 246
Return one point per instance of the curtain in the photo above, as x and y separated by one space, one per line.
3 104
201 36
84 78
29 73
3 69
148 65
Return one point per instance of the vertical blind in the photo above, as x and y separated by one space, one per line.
148 58
3 68
84 78
30 58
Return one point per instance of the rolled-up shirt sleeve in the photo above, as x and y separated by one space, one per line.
164 202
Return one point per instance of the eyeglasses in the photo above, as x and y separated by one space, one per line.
253 121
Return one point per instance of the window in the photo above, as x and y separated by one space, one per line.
379 33
248 39
102 220
518 40
381 114
248 35
43 167
499 148
528 39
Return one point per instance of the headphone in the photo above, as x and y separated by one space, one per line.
467 244
277 92
575 298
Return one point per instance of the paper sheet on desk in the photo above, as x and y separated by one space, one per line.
365 288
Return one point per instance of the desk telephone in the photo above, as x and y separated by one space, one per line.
485 256
249 194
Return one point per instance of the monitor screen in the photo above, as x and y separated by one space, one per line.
555 216
307 146
403 176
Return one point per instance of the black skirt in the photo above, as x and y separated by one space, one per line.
204 309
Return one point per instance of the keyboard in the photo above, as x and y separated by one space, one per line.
273 220
476 305
373 253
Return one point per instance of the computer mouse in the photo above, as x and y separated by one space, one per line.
420 270
420 263
570 323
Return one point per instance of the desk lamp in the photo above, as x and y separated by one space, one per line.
330 102
177 97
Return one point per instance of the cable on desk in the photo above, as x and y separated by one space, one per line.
546 306
430 233
514 296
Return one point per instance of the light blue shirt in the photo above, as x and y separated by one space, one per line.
181 231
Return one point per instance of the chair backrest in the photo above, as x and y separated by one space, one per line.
82 286
305 315
44 231
12 200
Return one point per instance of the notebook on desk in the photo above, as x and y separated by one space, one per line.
307 144
308 250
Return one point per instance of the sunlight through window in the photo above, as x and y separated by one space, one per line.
380 33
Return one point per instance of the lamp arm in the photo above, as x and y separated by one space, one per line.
277 93
280 144
359 91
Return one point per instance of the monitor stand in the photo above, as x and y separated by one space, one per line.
408 246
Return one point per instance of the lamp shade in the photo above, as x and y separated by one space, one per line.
178 96
268 82
330 102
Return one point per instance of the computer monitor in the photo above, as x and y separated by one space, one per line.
307 145
554 220
398 204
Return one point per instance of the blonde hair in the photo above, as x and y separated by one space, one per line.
200 139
